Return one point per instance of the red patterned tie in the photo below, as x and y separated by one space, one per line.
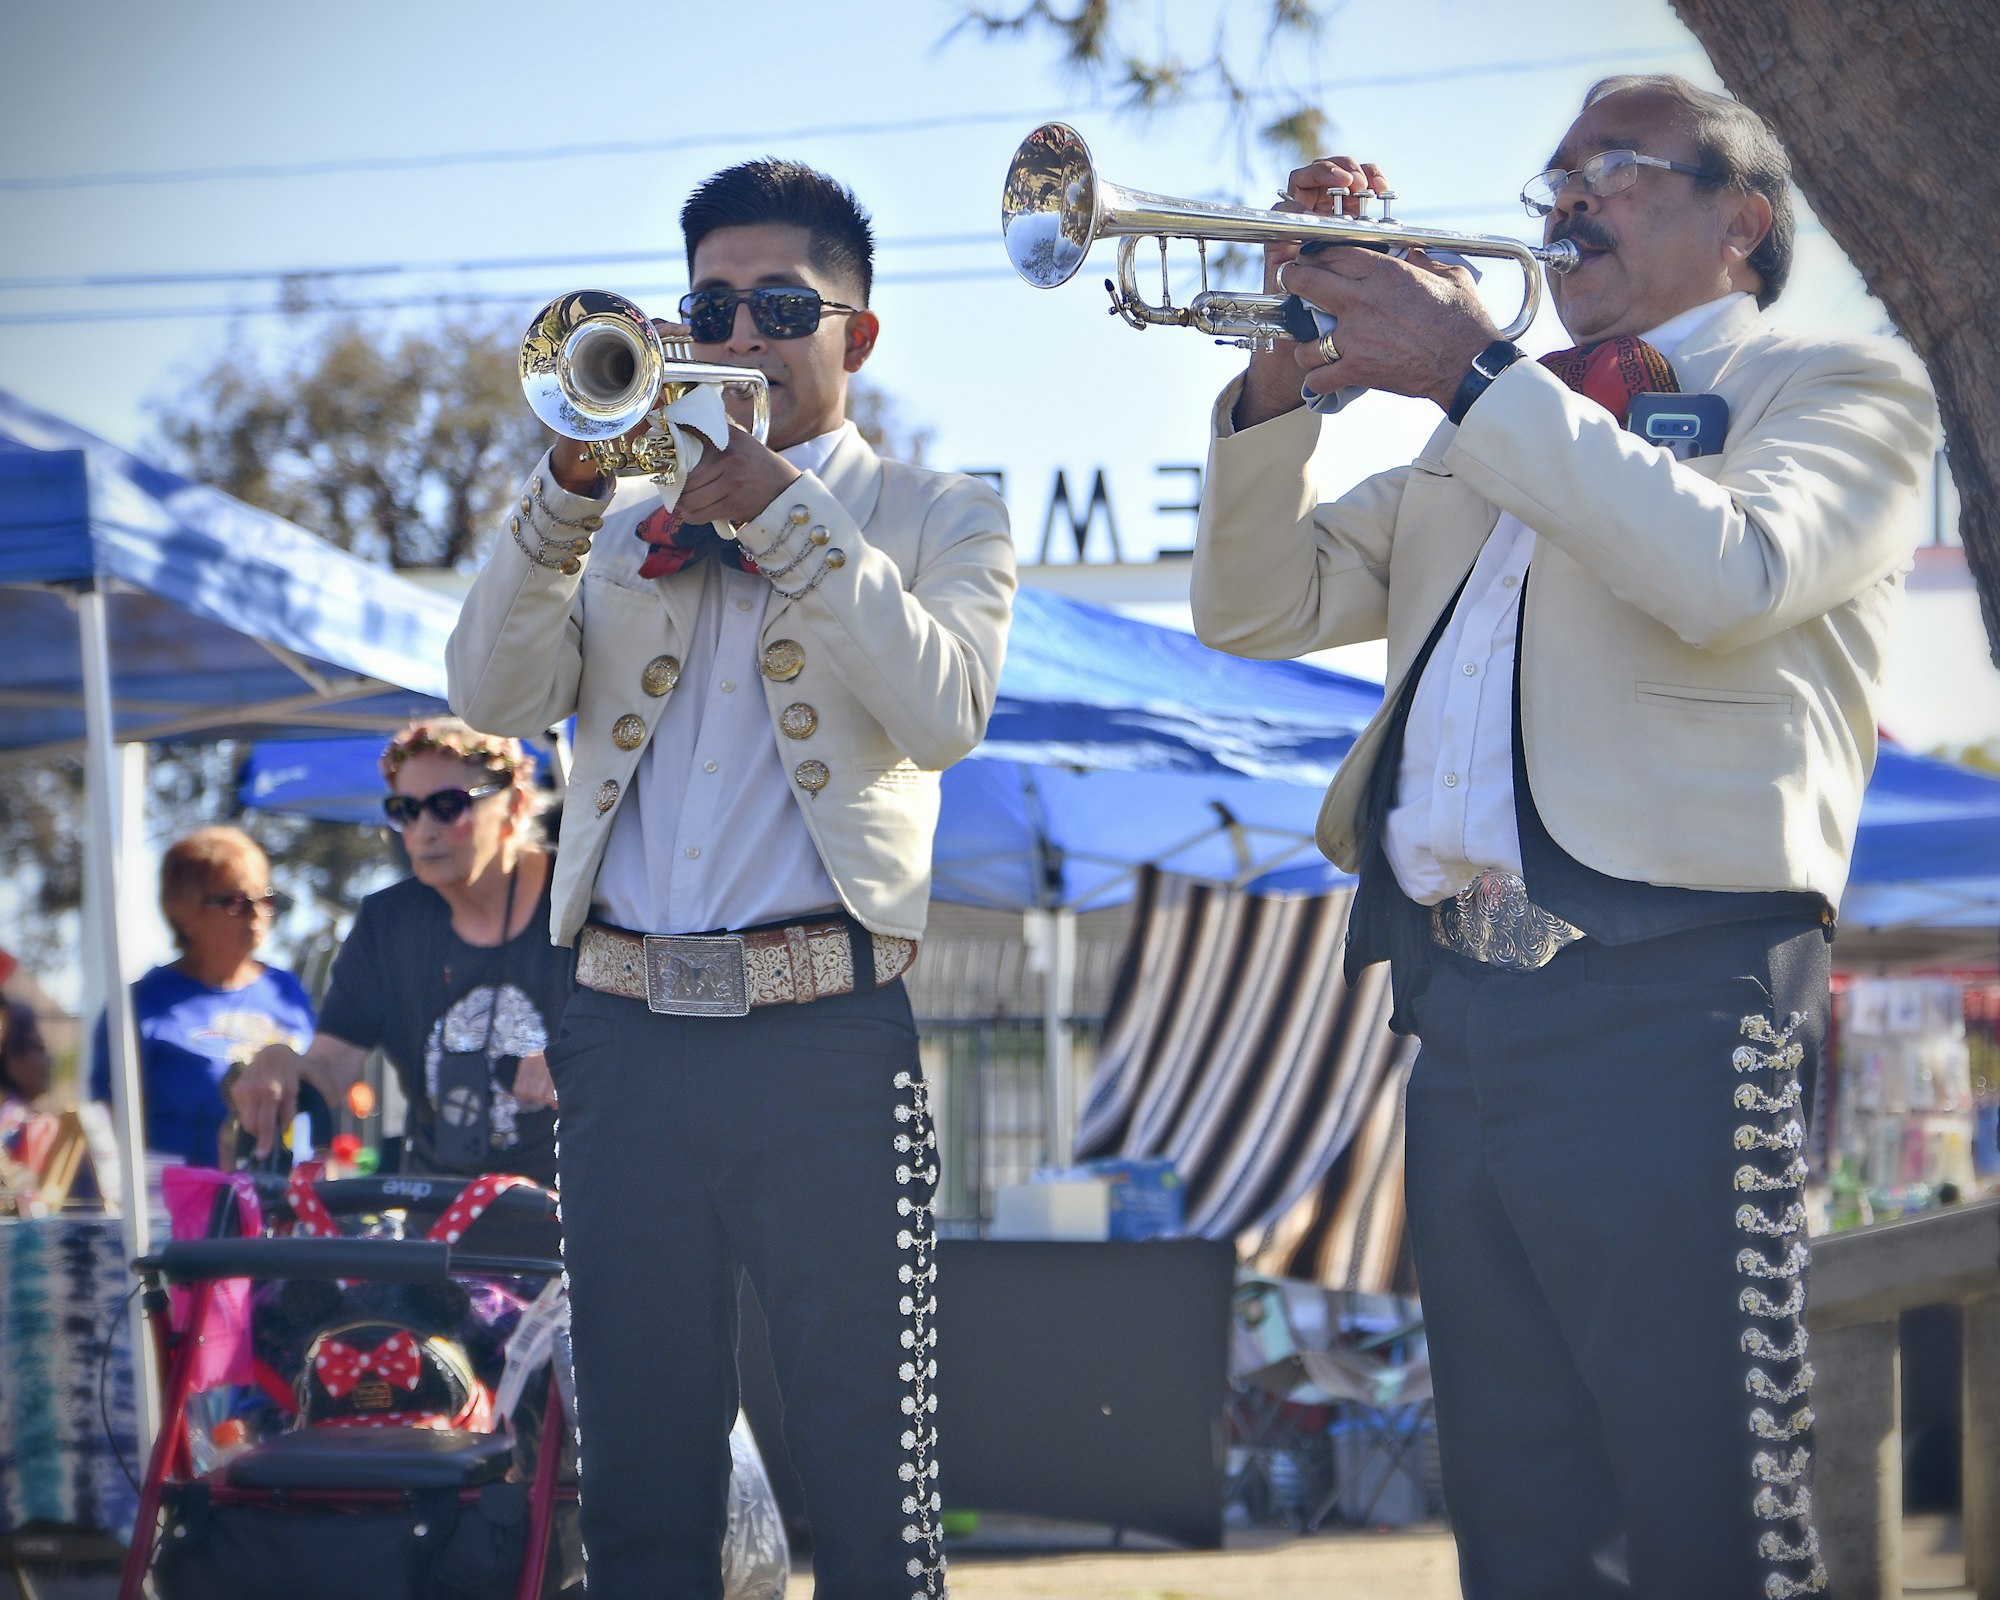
1612 372
675 544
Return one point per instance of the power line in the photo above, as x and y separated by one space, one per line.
440 301
135 280
247 172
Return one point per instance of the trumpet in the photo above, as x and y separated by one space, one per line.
1054 207
593 367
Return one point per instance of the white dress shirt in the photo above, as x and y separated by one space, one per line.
710 836
1454 811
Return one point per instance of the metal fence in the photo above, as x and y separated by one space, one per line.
977 994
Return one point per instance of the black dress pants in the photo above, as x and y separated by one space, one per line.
1604 1198
792 1144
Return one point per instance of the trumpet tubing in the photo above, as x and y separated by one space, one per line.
1055 206
593 367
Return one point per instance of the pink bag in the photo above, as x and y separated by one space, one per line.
224 1355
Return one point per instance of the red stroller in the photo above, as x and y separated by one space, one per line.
383 1469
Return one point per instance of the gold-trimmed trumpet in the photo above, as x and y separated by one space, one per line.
1054 207
593 367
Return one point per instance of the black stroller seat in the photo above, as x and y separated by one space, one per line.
373 1458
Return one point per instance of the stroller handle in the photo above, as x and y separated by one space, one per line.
376 1260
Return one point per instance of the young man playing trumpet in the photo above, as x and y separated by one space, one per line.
1602 821
744 870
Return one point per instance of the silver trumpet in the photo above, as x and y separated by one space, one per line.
1055 207
593 367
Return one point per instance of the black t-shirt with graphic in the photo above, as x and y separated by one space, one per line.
404 981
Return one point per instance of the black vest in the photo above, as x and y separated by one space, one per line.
1384 924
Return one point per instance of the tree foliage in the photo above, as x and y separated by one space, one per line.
1094 43
397 443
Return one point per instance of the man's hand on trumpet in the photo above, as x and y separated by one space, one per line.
1408 326
733 485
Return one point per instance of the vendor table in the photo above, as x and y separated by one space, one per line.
62 1282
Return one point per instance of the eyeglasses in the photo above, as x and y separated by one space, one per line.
778 313
1607 172
447 805
270 903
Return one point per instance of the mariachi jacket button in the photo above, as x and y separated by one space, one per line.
607 795
784 660
592 524
836 558
514 525
538 483
661 674
798 720
811 776
571 567
819 535
798 515
629 731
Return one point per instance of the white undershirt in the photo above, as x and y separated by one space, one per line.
1454 811
710 836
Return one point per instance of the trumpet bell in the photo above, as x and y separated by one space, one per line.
593 367
1048 209
591 364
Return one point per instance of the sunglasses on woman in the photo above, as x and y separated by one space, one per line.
780 313
270 903
447 805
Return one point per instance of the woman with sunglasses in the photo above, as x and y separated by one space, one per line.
215 1005
450 972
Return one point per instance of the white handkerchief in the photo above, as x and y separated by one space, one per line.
697 422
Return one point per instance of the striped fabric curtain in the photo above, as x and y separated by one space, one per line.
1234 1047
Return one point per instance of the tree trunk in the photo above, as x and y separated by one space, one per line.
1889 109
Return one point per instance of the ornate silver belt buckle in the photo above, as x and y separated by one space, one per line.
696 975
1492 920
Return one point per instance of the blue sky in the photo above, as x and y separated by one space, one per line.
404 148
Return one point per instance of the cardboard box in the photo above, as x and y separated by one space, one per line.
1058 1208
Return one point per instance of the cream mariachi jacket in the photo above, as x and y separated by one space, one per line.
1702 646
897 653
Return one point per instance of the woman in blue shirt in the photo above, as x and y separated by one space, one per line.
216 1005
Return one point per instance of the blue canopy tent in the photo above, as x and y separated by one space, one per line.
221 617
1115 744
138 605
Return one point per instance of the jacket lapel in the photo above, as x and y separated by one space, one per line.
853 476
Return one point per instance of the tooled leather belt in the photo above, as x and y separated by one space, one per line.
1492 920
727 974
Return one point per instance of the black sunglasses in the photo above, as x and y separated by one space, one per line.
447 805
248 905
778 313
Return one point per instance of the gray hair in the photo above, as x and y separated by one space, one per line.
1739 146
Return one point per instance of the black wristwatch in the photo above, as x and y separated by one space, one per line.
1495 359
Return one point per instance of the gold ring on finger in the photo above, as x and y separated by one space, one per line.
1329 351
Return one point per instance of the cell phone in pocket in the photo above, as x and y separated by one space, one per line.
1687 424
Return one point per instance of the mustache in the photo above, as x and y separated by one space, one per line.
1585 231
